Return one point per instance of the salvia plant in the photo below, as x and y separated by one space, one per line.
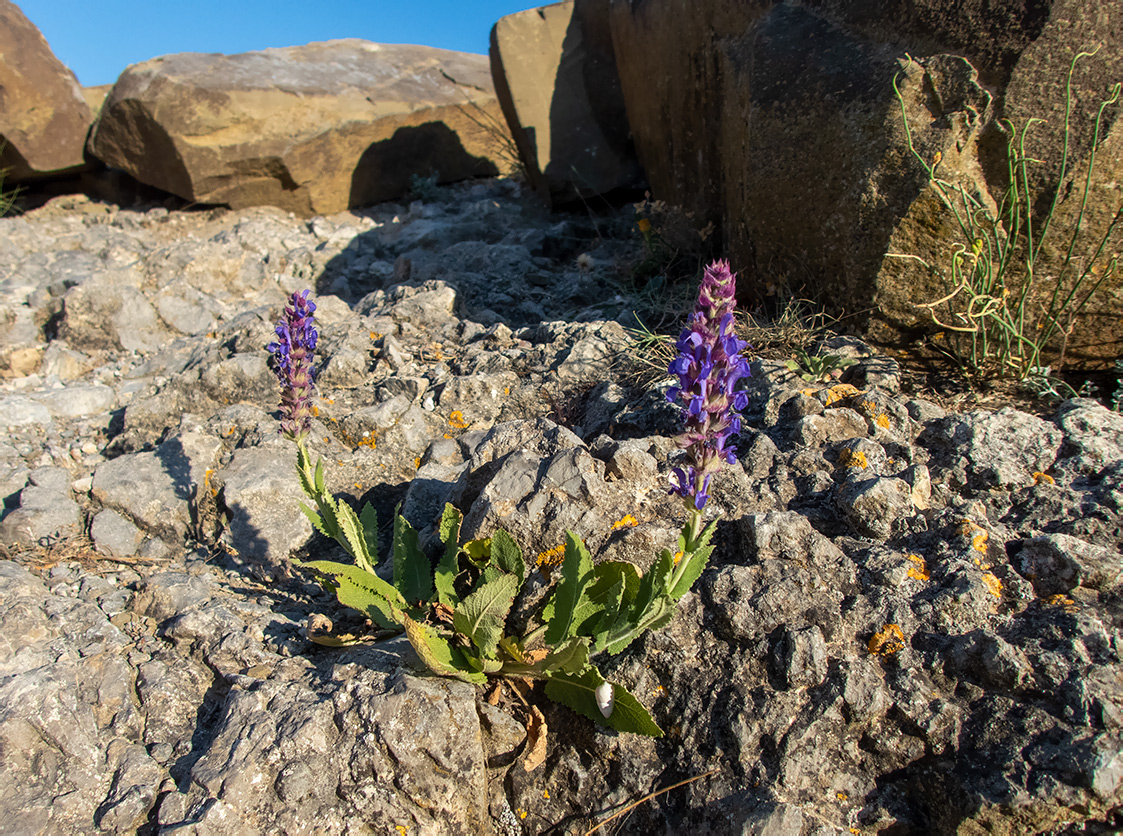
454 610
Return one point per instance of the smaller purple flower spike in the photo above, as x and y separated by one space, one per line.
708 366
294 355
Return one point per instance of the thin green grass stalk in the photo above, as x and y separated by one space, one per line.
1005 336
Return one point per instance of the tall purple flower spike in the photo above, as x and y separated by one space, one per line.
708 366
293 352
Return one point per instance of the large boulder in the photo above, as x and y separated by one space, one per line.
43 115
779 123
312 129
555 74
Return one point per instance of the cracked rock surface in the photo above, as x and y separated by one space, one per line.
911 622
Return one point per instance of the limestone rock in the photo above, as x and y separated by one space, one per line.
555 76
311 129
44 118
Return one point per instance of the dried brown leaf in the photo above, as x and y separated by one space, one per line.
536 733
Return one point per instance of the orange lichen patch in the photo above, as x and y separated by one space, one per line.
1062 601
887 641
374 335
978 535
627 521
550 557
994 585
456 420
842 390
522 813
315 411
417 462
920 570
546 794
853 458
1040 478
882 421
367 441
841 796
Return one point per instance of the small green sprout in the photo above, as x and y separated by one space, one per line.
818 368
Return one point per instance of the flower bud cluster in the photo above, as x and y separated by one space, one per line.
708 366
294 356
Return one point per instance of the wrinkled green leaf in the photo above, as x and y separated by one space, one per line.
315 519
689 570
413 574
507 555
360 590
577 574
578 691
438 655
654 583
482 615
444 579
355 541
571 657
658 613
368 524
320 476
619 569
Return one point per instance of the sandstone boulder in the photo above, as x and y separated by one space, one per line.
43 115
555 75
312 129
779 123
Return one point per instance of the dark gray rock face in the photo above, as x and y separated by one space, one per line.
910 622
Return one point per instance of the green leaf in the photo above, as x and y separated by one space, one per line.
571 657
368 522
304 473
445 576
620 569
360 590
315 519
659 612
478 551
483 614
689 570
413 574
577 574
320 476
438 655
507 555
614 589
354 538
578 691
655 582
605 603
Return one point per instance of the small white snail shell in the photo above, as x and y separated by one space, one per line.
604 697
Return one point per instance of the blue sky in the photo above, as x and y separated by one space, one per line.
97 39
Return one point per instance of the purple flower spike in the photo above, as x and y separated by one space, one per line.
293 352
708 366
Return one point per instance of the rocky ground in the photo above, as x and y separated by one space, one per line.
911 623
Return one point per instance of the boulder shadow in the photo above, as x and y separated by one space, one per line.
384 170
